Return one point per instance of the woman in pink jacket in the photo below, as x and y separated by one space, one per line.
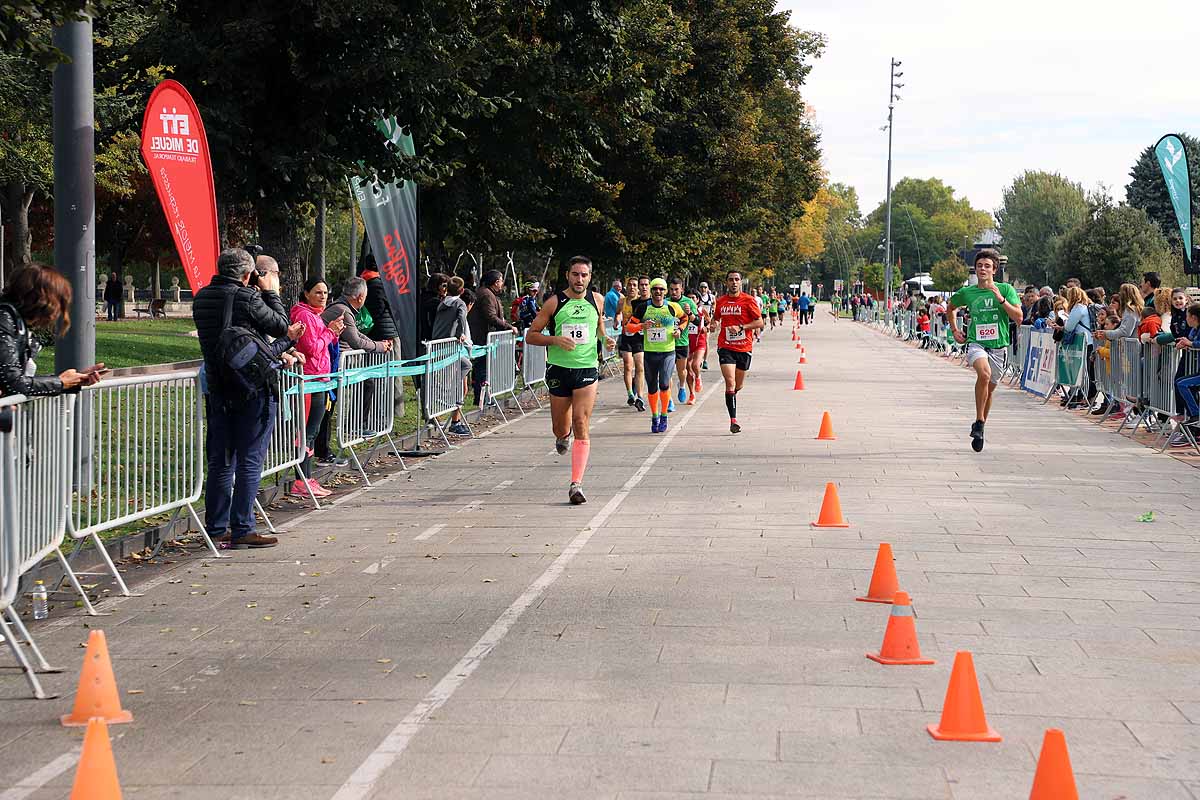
314 344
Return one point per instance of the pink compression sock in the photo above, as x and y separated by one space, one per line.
579 459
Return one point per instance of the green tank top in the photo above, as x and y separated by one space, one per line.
661 325
577 320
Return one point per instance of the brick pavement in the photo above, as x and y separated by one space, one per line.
703 641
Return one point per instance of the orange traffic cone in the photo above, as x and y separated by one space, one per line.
799 346
825 434
97 695
884 583
793 334
1054 779
96 775
900 637
799 381
803 360
831 510
963 719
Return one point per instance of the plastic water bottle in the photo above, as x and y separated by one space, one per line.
41 608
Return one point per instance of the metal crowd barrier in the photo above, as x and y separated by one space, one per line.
139 451
1189 367
1127 356
443 384
1022 354
35 497
366 407
1158 377
533 370
286 449
501 368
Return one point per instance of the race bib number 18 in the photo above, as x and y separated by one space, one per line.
576 333
987 333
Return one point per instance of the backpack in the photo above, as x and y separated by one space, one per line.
243 361
363 320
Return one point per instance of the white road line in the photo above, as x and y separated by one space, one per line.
502 486
471 506
362 782
428 532
43 776
374 568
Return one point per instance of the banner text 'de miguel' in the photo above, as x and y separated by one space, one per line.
175 150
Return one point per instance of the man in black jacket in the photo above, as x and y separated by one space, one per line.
239 424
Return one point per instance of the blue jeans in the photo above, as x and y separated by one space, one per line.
236 444
1186 387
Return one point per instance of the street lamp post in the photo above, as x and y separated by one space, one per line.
893 85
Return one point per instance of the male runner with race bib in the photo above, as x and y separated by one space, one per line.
991 306
736 315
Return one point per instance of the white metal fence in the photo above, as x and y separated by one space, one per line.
35 484
366 402
501 369
533 370
444 384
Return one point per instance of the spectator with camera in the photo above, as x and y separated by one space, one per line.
235 314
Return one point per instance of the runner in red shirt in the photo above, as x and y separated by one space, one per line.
736 315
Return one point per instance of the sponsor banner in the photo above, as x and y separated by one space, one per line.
175 150
390 217
1172 159
1041 364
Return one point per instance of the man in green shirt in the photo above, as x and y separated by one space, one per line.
569 325
681 344
991 306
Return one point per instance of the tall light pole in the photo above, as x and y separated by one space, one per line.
893 85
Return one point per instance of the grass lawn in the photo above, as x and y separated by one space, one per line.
138 343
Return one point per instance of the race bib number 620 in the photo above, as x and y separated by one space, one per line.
987 333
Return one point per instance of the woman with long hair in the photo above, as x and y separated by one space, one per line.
36 298
314 344
1129 303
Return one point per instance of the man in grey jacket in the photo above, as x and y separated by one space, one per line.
354 297
486 316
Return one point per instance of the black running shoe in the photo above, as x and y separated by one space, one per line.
560 445
977 436
639 403
629 400
734 427
575 494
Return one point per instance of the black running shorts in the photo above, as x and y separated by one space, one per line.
631 344
736 357
563 381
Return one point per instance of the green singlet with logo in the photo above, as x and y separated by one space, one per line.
661 325
578 321
692 328
989 323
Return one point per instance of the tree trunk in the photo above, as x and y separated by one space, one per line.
279 235
316 265
18 248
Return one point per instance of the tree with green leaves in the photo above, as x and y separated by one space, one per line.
1148 191
1115 244
948 274
929 223
1037 209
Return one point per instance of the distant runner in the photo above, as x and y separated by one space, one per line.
697 349
574 319
987 351
735 315
683 345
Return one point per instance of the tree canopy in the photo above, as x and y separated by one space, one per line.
1038 209
1148 191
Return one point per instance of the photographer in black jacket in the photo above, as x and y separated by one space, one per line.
239 423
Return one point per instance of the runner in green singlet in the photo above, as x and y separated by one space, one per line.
569 325
661 322
992 305
681 344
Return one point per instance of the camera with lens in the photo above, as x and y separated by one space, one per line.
255 251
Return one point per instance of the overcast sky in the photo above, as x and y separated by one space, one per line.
994 89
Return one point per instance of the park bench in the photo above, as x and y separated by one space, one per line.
157 308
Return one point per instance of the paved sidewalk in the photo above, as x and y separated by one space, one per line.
685 633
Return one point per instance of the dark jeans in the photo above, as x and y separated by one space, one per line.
478 376
113 309
321 445
316 413
236 444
